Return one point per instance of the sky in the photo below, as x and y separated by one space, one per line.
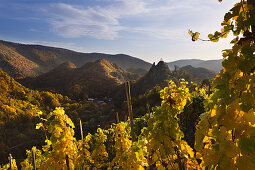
146 29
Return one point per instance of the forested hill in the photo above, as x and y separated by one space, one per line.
158 75
94 79
21 60
20 105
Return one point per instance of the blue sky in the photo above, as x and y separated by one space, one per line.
147 29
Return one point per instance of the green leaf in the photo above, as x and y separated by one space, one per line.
246 145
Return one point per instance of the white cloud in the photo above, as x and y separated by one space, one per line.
106 22
71 21
162 34
129 7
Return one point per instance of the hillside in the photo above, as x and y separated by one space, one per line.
20 105
139 71
55 80
15 64
212 65
21 60
94 79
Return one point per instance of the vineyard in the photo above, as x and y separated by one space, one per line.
224 136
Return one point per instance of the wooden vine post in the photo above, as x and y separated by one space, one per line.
117 117
81 130
10 159
34 155
148 108
127 85
67 162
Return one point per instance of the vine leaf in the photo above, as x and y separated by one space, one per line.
195 36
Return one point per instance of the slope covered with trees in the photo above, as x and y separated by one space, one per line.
20 105
94 79
15 64
16 59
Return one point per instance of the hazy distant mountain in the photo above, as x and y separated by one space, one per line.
182 63
200 73
213 65
20 60
94 79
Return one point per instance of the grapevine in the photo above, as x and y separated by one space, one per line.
225 136
166 148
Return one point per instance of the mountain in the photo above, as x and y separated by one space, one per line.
182 63
158 74
55 80
94 79
213 65
200 73
21 60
